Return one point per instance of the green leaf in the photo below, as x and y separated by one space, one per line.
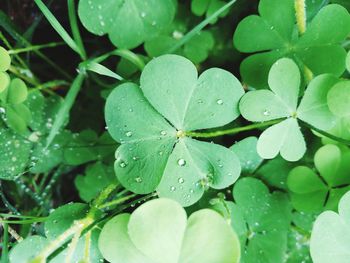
175 77
17 92
313 107
208 7
5 59
272 32
310 192
247 154
147 19
159 231
339 99
170 84
14 154
330 239
97 177
348 61
284 138
4 81
267 217
26 250
193 167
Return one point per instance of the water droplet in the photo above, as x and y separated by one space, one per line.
160 153
135 158
219 102
266 112
181 162
102 23
199 101
99 7
172 189
143 14
13 159
138 180
122 164
163 133
128 134
181 180
154 23
272 27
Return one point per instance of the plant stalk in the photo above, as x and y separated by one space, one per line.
300 13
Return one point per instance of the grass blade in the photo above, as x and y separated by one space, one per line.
58 27
63 112
199 27
75 28
102 70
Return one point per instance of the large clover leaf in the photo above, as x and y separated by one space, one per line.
281 102
145 19
155 153
261 221
313 193
330 239
273 35
159 232
5 62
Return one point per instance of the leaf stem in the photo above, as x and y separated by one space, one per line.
300 13
233 130
35 47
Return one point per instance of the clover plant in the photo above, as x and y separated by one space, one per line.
135 131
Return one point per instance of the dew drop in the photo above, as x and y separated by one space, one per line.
181 162
219 102
135 158
143 14
128 134
163 133
122 164
181 180
138 179
160 153
199 101
266 112
154 23
172 189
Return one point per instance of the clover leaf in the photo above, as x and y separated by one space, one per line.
5 62
348 61
330 239
272 34
145 19
97 177
208 7
247 154
311 192
58 222
261 220
159 231
281 102
151 124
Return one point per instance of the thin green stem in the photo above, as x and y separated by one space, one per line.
5 242
75 28
117 201
35 47
31 81
300 13
232 131
95 206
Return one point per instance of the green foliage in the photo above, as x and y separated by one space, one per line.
261 220
97 177
311 192
146 19
273 35
174 164
159 231
159 118
330 238
285 137
207 8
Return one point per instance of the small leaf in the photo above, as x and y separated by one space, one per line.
339 99
147 19
4 81
5 60
17 92
284 137
330 239
247 154
26 250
